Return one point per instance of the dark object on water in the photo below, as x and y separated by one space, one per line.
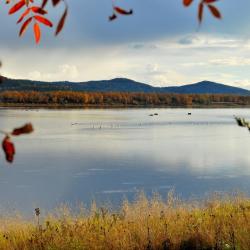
189 113
242 122
151 115
155 113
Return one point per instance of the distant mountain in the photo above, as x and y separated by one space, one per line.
120 85
206 87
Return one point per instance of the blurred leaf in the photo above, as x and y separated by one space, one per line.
25 26
61 22
44 3
8 148
187 2
113 17
25 13
38 10
44 21
200 12
26 129
122 11
37 32
215 12
210 1
55 2
16 7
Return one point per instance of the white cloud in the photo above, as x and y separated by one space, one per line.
232 61
169 62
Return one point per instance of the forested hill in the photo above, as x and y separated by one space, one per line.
120 85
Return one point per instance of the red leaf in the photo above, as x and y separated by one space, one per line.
113 17
187 2
25 26
17 7
61 22
25 129
37 33
38 10
200 12
44 21
215 12
55 2
8 148
122 11
210 1
44 3
25 13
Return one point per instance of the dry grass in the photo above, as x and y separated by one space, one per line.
216 223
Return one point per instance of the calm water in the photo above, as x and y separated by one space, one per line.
79 155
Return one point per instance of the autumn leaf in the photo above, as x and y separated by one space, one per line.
16 7
38 10
187 2
25 129
25 13
200 12
8 148
44 21
61 22
44 3
122 11
25 26
55 2
215 12
210 1
37 33
113 17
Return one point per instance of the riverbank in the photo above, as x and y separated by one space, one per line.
114 106
70 99
215 223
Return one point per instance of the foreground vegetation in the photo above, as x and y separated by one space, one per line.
82 99
217 223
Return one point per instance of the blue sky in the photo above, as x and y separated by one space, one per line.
160 44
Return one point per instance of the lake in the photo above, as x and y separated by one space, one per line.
108 154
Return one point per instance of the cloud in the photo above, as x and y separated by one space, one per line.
211 41
138 46
64 71
233 61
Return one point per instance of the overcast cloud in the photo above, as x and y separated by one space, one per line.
160 44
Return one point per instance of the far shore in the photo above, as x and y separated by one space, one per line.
115 106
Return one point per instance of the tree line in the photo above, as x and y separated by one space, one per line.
120 99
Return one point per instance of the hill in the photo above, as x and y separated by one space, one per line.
120 85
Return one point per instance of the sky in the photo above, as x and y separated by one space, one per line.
160 44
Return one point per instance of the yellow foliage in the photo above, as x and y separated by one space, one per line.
215 223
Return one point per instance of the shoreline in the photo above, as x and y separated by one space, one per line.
77 106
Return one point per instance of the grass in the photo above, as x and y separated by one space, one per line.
215 223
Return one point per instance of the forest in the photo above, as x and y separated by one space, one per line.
64 98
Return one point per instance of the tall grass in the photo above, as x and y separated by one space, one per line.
215 223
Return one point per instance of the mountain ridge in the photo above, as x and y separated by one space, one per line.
120 85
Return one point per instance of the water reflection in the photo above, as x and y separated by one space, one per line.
107 154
